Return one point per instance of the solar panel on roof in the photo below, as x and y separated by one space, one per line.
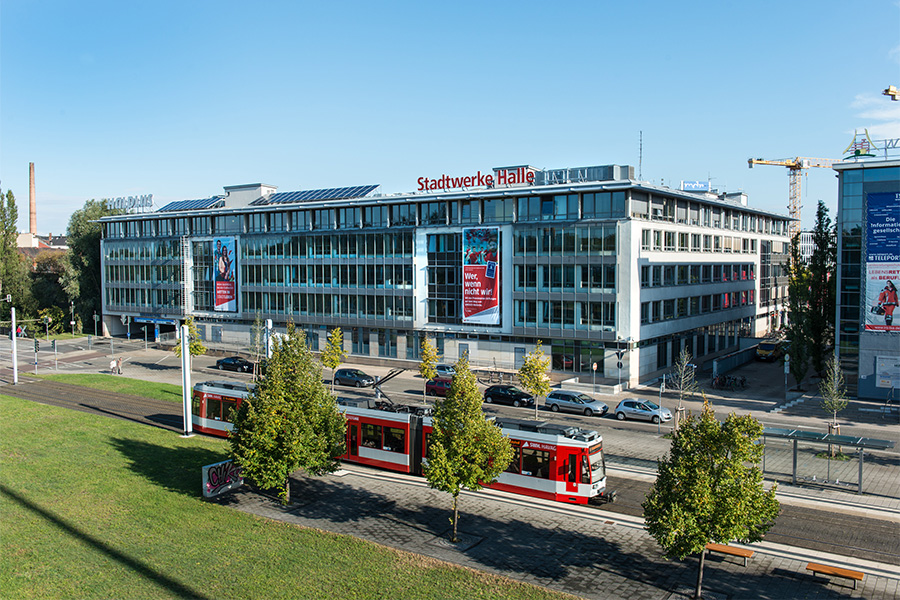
177 205
309 195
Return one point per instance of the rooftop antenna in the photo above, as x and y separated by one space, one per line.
641 155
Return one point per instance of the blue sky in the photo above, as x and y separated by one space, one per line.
178 99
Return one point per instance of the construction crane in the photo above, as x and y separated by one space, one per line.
795 170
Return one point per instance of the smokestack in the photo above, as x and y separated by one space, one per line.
32 204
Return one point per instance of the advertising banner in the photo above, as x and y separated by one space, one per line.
224 256
481 275
887 372
882 261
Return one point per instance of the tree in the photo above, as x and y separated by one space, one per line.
195 345
705 492
533 375
83 238
466 450
333 354
14 278
428 364
798 317
290 421
833 393
821 297
683 379
49 269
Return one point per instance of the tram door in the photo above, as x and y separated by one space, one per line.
353 438
572 473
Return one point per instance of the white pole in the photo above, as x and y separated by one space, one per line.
186 379
15 355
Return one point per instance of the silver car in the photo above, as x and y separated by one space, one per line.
644 410
576 402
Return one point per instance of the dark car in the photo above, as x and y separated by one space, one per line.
439 386
508 394
234 363
353 377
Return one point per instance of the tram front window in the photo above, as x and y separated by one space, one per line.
598 463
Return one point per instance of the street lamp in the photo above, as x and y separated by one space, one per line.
96 318
72 312
12 336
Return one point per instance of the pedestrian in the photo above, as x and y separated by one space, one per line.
112 366
119 366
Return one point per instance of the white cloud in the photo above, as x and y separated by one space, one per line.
880 115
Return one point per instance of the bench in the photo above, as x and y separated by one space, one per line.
836 571
725 549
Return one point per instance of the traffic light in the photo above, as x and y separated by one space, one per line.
37 346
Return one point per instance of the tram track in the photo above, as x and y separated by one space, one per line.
820 529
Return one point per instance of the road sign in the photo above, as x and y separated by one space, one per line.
619 365
594 366
620 354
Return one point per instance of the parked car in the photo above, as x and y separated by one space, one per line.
439 386
644 410
768 350
353 377
234 363
575 402
445 370
508 394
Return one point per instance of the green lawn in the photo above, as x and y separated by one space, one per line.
113 383
93 507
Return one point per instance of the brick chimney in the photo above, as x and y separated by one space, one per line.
32 204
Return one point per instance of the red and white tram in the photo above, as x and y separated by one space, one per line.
550 461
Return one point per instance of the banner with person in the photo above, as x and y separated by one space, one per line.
882 261
481 275
224 256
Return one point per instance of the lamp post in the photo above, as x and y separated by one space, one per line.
72 313
12 336
96 318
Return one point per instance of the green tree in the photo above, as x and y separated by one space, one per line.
195 345
798 314
428 363
833 391
14 277
709 488
49 269
290 421
821 297
83 286
533 375
684 380
466 450
333 354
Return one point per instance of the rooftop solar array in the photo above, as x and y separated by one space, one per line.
214 202
309 195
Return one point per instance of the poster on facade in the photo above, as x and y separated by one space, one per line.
882 261
887 372
481 275
223 273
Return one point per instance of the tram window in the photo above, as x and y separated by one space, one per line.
213 409
371 435
514 463
536 463
195 405
228 408
585 469
573 467
394 439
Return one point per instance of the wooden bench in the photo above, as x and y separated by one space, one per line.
836 571
725 549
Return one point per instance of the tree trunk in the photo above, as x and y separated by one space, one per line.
698 592
287 491
454 539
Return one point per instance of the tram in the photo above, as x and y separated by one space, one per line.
550 461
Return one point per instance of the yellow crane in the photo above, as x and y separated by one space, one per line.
795 167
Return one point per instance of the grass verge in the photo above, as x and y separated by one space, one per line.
117 383
100 508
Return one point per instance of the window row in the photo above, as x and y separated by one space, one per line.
334 276
665 275
529 462
561 278
142 274
345 306
564 314
151 250
566 241
680 241
680 210
359 245
143 298
678 308
391 439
